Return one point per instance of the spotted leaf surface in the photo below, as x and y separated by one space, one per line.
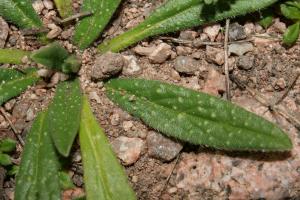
90 28
38 174
196 117
64 115
56 57
12 56
13 82
20 12
176 15
64 7
104 177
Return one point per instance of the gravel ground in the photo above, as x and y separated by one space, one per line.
194 59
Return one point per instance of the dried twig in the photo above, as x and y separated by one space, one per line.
227 80
21 141
34 31
170 175
72 18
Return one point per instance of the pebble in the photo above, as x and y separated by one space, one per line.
54 31
38 6
4 29
131 67
161 53
212 31
30 114
240 49
107 65
128 149
161 147
246 62
215 55
214 83
144 51
186 65
236 32
188 35
94 96
127 125
280 84
48 4
183 51
279 26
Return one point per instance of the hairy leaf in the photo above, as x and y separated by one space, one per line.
291 35
291 10
196 117
5 159
64 115
181 14
13 82
12 56
104 177
56 57
38 174
20 12
7 145
89 28
64 7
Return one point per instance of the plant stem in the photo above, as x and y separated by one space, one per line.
12 56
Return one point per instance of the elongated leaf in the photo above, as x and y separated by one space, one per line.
104 177
89 28
12 82
20 12
64 115
12 56
38 174
5 159
291 10
291 35
267 18
56 57
64 7
181 14
7 145
196 117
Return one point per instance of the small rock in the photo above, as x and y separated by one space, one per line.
215 55
279 26
48 4
94 96
45 73
188 35
183 51
212 31
9 105
161 53
20 110
249 28
185 64
30 115
161 147
128 149
127 125
115 119
54 31
107 65
144 51
215 83
246 62
4 29
38 6
236 32
66 34
132 67
280 84
240 49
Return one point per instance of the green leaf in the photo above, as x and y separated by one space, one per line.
13 170
64 7
12 82
38 174
196 117
12 56
291 10
104 177
20 12
7 145
266 18
56 57
65 181
5 159
176 15
64 115
89 28
291 35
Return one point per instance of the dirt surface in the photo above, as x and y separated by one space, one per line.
262 63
